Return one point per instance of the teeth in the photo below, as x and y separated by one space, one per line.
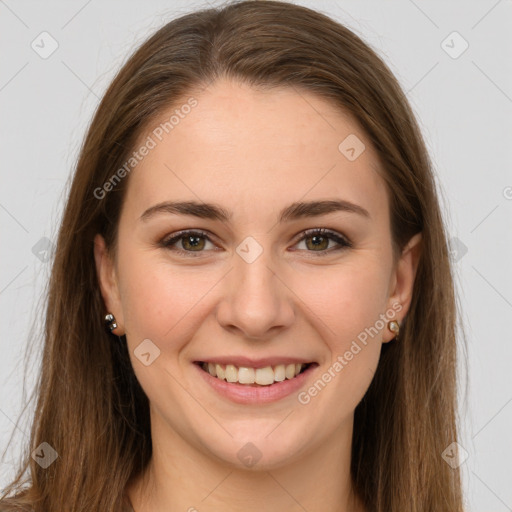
279 373
265 376
231 373
262 376
220 372
246 375
290 371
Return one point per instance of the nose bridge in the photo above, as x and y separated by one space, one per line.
255 300
255 280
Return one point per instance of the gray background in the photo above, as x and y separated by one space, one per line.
464 105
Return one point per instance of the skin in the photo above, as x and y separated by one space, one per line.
253 152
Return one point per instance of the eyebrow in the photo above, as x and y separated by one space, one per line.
297 210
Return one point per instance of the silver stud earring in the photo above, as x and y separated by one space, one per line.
110 322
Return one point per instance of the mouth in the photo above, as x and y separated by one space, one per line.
254 377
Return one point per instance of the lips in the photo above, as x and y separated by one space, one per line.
254 393
254 376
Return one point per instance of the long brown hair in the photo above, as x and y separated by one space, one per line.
90 406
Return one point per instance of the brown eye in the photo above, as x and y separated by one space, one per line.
189 242
192 242
317 240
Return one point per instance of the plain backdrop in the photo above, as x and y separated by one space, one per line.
452 58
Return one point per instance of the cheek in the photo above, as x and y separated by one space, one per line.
160 299
345 303
347 298
349 302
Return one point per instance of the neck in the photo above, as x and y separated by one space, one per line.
184 477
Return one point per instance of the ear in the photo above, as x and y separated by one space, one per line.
106 272
403 282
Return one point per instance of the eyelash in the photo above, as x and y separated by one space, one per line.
344 242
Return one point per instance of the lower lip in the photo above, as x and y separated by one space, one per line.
247 394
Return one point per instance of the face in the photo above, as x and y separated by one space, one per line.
259 288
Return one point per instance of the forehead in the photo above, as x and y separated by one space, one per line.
254 150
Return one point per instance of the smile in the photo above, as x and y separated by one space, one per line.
254 376
251 386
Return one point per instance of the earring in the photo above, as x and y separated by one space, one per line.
394 326
110 322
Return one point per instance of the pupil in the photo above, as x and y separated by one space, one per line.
192 241
318 241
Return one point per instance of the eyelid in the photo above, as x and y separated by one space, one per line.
335 235
342 240
170 240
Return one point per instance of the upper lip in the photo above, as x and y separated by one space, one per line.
247 362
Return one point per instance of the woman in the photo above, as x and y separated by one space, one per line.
254 218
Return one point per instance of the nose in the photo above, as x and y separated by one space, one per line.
256 301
